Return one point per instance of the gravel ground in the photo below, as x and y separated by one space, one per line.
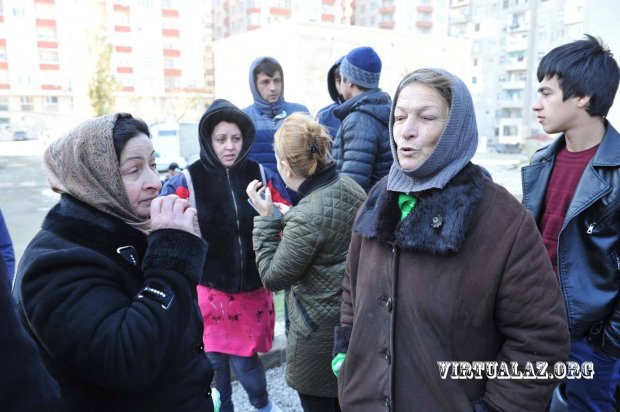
279 393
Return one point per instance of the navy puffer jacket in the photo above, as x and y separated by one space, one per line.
362 145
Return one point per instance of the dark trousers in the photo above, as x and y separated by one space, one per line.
250 373
318 403
593 394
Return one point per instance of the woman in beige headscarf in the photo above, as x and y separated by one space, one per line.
108 286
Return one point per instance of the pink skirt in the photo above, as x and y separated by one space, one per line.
238 324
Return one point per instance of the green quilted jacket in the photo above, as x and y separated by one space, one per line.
309 258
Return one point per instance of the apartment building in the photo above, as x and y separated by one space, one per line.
509 37
160 59
232 17
417 16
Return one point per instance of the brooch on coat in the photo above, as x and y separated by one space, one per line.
437 222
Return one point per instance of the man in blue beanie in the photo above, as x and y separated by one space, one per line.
362 145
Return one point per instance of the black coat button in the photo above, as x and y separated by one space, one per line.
208 392
388 304
200 347
388 356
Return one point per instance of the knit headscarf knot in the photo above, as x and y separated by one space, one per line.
84 164
455 148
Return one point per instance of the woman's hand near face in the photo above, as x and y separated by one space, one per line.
172 212
264 207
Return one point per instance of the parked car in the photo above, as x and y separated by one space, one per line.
20 135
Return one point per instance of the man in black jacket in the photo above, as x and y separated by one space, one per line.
572 188
25 384
362 145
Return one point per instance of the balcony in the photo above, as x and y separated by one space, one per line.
515 65
280 11
387 9
122 49
328 17
514 85
170 33
51 23
49 66
42 44
172 72
516 27
170 13
121 8
424 24
172 53
459 17
516 45
458 3
387 24
425 8
511 103
50 87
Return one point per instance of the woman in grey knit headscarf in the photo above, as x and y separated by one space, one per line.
444 266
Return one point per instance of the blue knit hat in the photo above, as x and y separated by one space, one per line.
362 66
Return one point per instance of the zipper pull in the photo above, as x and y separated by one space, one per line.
590 228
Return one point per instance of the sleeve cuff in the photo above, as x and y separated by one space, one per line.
176 250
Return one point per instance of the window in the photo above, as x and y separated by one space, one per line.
169 63
477 27
474 80
510 130
51 103
27 104
48 56
170 82
46 33
475 62
17 12
4 104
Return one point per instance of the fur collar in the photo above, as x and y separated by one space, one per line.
78 222
438 223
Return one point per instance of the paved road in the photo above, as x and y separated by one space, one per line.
25 197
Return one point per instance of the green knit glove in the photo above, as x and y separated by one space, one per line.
215 396
337 363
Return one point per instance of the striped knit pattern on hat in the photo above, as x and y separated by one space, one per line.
455 148
362 66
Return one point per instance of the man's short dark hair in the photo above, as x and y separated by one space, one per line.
584 68
361 88
267 66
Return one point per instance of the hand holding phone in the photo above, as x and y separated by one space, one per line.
260 199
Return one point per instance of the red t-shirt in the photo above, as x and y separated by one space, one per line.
567 171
